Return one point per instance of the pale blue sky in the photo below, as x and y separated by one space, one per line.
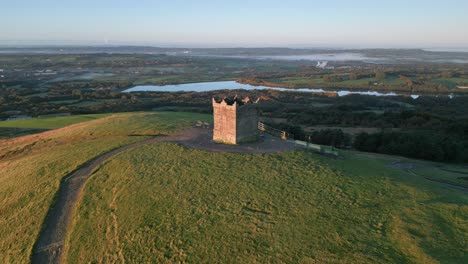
296 23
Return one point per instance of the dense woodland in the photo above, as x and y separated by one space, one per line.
434 128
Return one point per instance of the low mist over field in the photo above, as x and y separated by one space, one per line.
377 56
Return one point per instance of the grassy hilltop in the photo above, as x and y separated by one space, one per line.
15 128
166 203
31 167
194 206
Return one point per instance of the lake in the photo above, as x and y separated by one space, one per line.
232 85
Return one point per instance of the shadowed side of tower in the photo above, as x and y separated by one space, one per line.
235 120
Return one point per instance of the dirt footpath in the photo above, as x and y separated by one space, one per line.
411 166
201 138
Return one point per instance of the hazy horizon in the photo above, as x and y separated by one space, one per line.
194 24
183 46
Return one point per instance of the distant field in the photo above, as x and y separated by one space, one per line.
390 82
316 80
452 82
295 207
17 128
32 166
50 122
64 102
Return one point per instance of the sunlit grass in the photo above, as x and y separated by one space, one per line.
166 203
31 168
50 122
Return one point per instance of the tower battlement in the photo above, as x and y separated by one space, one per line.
235 120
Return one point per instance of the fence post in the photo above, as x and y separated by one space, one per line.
261 126
283 135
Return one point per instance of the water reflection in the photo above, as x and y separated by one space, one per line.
232 85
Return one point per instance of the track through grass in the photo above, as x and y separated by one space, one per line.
32 167
294 207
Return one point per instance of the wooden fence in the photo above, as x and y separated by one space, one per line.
328 150
275 132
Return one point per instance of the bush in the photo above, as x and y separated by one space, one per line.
420 145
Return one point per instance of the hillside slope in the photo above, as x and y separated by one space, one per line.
31 168
166 203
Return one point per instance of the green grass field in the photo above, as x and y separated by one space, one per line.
164 203
370 83
452 82
450 174
50 122
32 166
15 128
297 207
316 81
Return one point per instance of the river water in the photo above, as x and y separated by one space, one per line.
232 85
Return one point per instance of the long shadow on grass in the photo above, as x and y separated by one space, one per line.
12 132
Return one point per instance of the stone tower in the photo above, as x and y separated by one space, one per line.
235 120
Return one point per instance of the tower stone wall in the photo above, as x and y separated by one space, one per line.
235 121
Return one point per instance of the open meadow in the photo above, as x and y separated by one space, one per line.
15 128
31 167
167 203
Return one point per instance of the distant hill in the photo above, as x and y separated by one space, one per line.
392 55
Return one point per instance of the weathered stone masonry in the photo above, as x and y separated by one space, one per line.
235 120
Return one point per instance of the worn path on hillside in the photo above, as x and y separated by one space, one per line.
49 246
409 167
